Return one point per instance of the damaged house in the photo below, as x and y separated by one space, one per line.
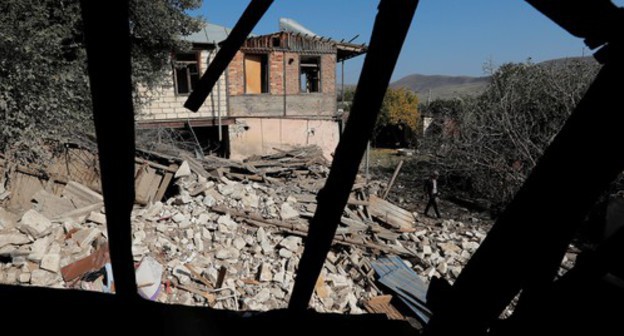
279 91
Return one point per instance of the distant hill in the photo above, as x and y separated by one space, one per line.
446 87
443 87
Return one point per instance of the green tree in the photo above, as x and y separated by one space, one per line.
399 109
43 83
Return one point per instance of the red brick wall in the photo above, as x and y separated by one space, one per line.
276 73
328 74
292 73
236 75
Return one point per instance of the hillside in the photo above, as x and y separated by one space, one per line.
444 87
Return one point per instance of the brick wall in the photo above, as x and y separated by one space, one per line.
276 73
236 75
328 74
165 104
292 73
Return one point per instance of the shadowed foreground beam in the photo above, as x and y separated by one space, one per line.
232 44
391 26
108 52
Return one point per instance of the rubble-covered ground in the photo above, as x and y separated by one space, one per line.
230 236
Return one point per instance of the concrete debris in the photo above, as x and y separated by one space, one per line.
34 224
183 171
288 212
13 239
291 243
51 262
97 218
233 236
7 219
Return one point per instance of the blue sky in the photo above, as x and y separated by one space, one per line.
447 37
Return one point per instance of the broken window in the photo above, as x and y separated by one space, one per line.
310 74
186 72
256 74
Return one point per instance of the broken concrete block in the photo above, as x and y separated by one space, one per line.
24 278
267 248
250 200
178 218
470 246
291 199
51 262
41 277
13 239
7 219
39 248
209 200
442 268
226 224
227 253
85 237
279 277
226 189
261 235
34 224
265 274
139 235
97 217
148 278
427 250
291 243
449 248
288 212
285 253
263 295
239 243
183 171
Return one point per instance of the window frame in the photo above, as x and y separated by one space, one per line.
319 78
186 63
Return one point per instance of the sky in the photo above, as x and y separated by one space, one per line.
446 37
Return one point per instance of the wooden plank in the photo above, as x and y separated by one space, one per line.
170 168
154 185
164 184
253 73
387 207
381 305
143 184
391 183
390 213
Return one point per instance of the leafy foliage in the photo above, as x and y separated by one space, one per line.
44 90
503 132
399 110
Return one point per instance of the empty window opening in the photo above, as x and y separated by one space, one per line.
256 74
310 74
186 68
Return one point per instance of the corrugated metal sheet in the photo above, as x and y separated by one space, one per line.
405 283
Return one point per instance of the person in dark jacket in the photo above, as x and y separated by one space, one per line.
431 190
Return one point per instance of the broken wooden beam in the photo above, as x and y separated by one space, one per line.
393 19
391 183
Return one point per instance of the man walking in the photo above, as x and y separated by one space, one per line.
431 189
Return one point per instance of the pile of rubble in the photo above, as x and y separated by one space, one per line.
231 237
